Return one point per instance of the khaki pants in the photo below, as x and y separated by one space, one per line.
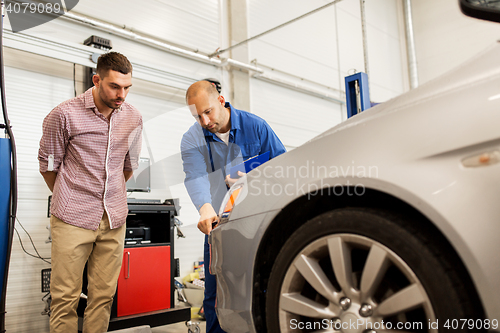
71 248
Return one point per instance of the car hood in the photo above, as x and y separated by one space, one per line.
450 114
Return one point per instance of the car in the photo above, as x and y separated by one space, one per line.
388 221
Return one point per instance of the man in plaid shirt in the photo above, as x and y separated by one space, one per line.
89 149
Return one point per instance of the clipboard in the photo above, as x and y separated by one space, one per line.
249 164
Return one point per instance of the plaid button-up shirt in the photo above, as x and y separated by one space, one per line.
89 154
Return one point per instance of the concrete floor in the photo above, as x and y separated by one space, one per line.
178 328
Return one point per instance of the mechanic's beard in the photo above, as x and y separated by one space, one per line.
214 130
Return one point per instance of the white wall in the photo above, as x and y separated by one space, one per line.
319 50
444 37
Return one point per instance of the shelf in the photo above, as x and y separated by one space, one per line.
158 209
153 319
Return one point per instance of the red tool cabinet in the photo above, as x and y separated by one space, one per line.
144 284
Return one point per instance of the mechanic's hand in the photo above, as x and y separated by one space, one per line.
230 181
207 218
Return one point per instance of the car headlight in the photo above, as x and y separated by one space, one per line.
229 202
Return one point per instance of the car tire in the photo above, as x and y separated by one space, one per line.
374 266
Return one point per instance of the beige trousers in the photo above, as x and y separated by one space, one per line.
72 247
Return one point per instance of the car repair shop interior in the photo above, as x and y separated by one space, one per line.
285 61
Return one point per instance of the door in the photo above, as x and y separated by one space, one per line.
145 283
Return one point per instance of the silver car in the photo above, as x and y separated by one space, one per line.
388 221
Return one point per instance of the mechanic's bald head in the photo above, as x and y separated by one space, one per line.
201 86
208 107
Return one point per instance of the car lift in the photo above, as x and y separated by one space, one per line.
357 94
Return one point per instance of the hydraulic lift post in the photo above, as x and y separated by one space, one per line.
5 158
357 93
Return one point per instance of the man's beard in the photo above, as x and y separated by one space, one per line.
214 130
110 104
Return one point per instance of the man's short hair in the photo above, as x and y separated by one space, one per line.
113 61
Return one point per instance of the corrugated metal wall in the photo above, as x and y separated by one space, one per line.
190 23
320 50
295 117
31 91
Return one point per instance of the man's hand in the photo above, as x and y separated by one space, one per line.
50 179
127 174
230 181
207 217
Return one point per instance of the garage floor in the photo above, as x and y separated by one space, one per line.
177 328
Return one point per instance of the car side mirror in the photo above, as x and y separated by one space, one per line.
482 9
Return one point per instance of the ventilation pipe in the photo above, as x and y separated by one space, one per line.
258 73
365 39
410 45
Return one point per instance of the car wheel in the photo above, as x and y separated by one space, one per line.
356 270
